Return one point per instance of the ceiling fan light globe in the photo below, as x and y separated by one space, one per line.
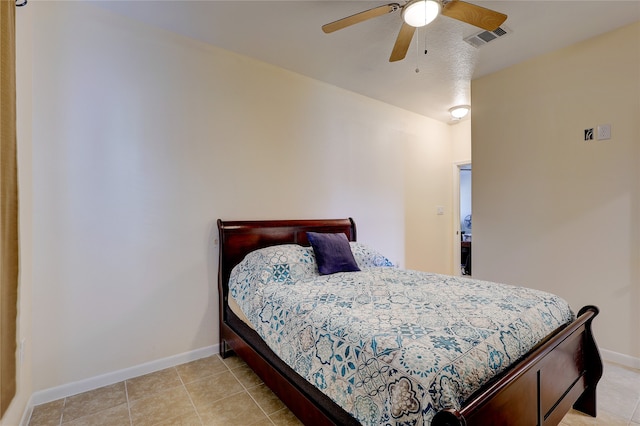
419 13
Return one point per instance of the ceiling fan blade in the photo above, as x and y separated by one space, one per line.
402 42
478 16
360 17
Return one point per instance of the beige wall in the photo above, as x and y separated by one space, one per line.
461 141
423 194
142 139
552 211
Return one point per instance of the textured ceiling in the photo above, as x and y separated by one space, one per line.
288 34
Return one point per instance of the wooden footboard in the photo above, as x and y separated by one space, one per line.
561 373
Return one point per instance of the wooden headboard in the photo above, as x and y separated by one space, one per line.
239 238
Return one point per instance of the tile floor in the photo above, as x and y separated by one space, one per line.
212 391
209 391
618 399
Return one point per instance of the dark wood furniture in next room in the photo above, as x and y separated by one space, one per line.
465 257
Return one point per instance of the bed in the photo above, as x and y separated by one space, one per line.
560 371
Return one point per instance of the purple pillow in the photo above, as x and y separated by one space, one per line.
333 253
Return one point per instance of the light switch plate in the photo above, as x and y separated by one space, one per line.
604 132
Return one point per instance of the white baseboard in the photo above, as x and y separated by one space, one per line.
52 394
622 359
26 416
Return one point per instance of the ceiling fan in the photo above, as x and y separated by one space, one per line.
418 13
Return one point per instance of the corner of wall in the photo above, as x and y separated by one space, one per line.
19 411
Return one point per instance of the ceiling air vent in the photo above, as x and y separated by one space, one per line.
483 37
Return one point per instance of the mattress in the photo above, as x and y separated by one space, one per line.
236 309
390 346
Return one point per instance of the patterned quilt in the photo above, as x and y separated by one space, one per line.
390 346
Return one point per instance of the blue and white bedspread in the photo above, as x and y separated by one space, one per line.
390 346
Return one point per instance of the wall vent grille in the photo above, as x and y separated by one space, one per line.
483 37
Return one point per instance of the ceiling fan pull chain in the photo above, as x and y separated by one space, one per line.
418 51
425 42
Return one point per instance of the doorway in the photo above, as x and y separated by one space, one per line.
462 219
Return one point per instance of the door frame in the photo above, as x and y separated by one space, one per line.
457 167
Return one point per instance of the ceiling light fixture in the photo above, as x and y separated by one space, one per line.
419 13
459 112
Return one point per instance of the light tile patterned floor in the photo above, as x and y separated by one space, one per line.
212 391
618 399
209 391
